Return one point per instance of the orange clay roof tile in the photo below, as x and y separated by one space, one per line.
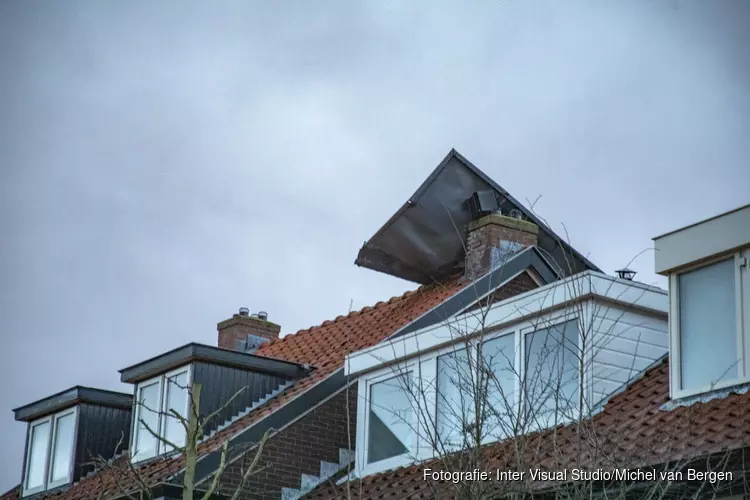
637 429
324 347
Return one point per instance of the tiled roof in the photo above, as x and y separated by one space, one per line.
324 347
634 429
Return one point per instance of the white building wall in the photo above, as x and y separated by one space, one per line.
623 329
623 344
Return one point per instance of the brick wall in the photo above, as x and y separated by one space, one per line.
518 285
238 327
296 449
487 233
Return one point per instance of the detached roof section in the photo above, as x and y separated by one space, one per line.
423 241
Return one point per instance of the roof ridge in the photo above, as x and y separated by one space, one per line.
341 317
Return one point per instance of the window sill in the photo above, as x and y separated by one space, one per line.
41 492
738 387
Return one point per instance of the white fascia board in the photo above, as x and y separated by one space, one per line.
520 307
702 240
630 294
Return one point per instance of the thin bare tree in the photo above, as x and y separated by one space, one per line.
541 414
132 484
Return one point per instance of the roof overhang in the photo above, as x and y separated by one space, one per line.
72 397
423 241
552 297
214 355
703 240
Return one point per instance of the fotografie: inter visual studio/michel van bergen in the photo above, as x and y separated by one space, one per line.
565 475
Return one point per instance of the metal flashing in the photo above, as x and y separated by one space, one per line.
71 397
528 258
200 352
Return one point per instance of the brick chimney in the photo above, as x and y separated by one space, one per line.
492 239
244 331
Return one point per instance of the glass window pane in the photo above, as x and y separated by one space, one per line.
500 378
176 399
148 413
455 401
62 449
708 328
37 458
390 419
551 380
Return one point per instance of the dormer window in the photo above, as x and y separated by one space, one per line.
233 383
707 321
707 305
390 418
709 285
60 444
156 427
533 361
49 454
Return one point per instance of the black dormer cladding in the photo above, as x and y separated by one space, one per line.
219 383
100 429
102 422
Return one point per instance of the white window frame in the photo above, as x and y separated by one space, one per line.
470 348
47 471
472 352
363 421
161 447
548 324
423 371
742 325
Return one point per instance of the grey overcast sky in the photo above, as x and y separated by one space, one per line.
163 163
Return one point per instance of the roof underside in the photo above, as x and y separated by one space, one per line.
423 241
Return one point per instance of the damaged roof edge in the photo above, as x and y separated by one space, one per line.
528 213
413 199
373 256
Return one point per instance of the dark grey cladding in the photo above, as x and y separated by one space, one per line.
102 429
102 432
72 397
219 385
199 352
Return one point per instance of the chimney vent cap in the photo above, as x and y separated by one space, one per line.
262 315
244 311
482 203
625 274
